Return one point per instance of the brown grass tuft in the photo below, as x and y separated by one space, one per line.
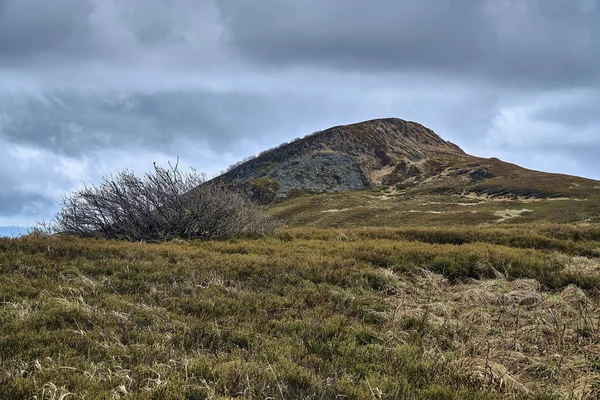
510 336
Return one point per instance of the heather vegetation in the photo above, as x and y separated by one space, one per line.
459 312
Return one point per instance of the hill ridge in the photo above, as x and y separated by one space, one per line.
388 152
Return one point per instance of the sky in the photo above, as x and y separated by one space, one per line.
91 87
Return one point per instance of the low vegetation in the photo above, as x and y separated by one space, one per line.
388 207
508 311
161 205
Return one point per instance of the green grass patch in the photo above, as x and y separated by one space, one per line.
304 313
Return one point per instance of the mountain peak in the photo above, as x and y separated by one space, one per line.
391 152
395 134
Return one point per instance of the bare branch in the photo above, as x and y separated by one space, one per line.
161 205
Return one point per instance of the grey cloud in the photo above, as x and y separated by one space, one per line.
95 86
75 124
354 33
579 113
31 183
29 27
512 40
47 33
26 205
572 160
584 153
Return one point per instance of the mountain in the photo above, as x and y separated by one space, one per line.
400 156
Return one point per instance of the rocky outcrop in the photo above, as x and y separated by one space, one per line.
318 173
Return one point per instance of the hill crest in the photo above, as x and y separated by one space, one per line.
401 155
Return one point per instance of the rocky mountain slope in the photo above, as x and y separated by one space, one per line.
402 156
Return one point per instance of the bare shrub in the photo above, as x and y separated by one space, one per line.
240 162
161 205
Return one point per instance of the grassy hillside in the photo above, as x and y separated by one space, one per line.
398 313
403 156
388 207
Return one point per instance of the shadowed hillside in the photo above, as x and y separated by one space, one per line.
404 157
391 172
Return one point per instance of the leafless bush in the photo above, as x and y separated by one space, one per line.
160 205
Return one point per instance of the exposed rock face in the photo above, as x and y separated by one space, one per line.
319 172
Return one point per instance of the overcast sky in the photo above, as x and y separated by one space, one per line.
89 87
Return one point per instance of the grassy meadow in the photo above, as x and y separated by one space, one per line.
388 207
460 312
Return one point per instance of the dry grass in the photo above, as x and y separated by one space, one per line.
506 215
510 336
399 313
391 208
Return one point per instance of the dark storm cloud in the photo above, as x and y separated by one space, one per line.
88 87
511 40
355 33
30 28
76 124
54 32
